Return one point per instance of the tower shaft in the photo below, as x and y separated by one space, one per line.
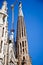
22 44
12 7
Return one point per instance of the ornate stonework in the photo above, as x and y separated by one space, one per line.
10 54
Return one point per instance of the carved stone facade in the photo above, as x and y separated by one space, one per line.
10 55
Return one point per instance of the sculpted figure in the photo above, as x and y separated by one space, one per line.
11 55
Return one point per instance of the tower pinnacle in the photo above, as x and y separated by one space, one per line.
20 9
4 7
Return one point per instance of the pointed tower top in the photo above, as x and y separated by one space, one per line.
20 9
20 4
4 7
5 2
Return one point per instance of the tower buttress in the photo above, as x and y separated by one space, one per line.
21 40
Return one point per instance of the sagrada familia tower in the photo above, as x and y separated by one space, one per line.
11 54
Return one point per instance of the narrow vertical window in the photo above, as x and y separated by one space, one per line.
22 32
23 50
23 43
20 48
23 63
23 58
3 19
3 32
1 46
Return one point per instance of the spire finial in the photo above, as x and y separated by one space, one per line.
20 9
4 7
20 4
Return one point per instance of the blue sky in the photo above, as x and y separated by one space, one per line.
33 16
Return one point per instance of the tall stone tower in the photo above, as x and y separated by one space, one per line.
21 40
3 34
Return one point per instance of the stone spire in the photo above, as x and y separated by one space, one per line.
20 9
21 30
22 44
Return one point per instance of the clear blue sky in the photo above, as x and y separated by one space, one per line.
33 15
